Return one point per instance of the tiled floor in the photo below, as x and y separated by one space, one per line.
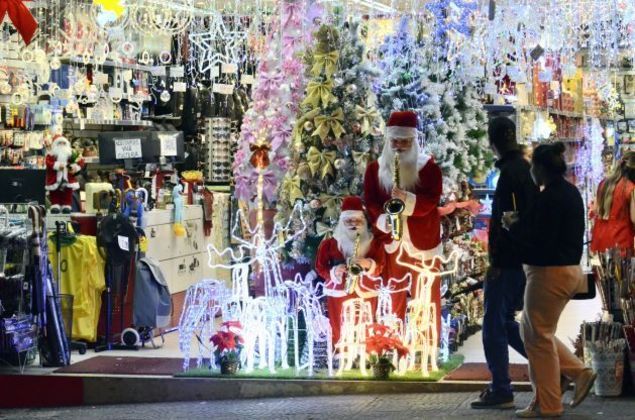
574 314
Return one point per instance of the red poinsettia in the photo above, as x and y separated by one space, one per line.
227 342
380 340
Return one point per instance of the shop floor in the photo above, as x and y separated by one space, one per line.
126 365
480 372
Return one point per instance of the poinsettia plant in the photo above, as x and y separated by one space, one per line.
228 342
381 343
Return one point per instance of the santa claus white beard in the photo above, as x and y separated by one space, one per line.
345 238
62 153
408 171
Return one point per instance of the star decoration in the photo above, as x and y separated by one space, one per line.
216 45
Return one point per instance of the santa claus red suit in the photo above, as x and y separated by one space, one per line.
420 189
61 167
333 254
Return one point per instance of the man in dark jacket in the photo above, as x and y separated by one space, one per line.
505 281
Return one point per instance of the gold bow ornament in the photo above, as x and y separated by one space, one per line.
331 204
322 229
321 162
291 185
319 91
361 159
366 117
326 61
329 123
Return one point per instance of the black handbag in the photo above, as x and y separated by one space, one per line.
590 288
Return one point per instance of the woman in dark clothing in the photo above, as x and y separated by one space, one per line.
551 236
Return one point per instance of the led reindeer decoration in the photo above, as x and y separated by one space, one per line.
421 334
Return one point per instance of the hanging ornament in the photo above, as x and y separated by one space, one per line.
339 164
315 203
308 126
165 96
357 127
337 82
351 89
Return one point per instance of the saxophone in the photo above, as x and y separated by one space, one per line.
353 270
395 207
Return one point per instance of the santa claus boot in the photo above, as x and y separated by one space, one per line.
55 209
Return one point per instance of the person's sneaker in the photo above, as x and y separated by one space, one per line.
490 399
583 384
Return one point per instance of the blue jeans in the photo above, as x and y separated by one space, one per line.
504 293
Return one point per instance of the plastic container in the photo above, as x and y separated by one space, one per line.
610 370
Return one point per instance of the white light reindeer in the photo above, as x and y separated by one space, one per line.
421 334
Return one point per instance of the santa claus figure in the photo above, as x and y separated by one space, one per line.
351 247
420 187
62 164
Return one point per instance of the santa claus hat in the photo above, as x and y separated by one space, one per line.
352 206
57 138
401 125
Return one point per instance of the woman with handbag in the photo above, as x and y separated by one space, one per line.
614 213
551 237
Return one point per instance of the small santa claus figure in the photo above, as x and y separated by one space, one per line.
420 188
336 254
62 165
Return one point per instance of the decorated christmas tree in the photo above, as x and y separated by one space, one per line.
267 125
335 136
453 124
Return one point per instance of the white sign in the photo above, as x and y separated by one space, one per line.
100 79
123 243
168 144
229 68
158 71
223 89
215 72
128 149
247 79
126 75
177 71
179 87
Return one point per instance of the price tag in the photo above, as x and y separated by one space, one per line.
124 243
126 75
490 89
159 71
229 68
223 89
177 71
128 149
100 79
215 72
247 79
179 87
115 93
168 144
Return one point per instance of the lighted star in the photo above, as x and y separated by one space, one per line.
114 6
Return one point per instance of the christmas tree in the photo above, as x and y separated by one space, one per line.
335 136
453 126
266 129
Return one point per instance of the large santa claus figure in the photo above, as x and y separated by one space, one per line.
334 253
420 188
62 164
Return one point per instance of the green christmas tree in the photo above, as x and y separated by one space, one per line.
335 137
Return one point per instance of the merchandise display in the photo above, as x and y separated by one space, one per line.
215 164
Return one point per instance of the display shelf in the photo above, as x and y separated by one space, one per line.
116 123
570 114
114 64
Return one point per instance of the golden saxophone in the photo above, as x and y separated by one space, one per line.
353 270
395 207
